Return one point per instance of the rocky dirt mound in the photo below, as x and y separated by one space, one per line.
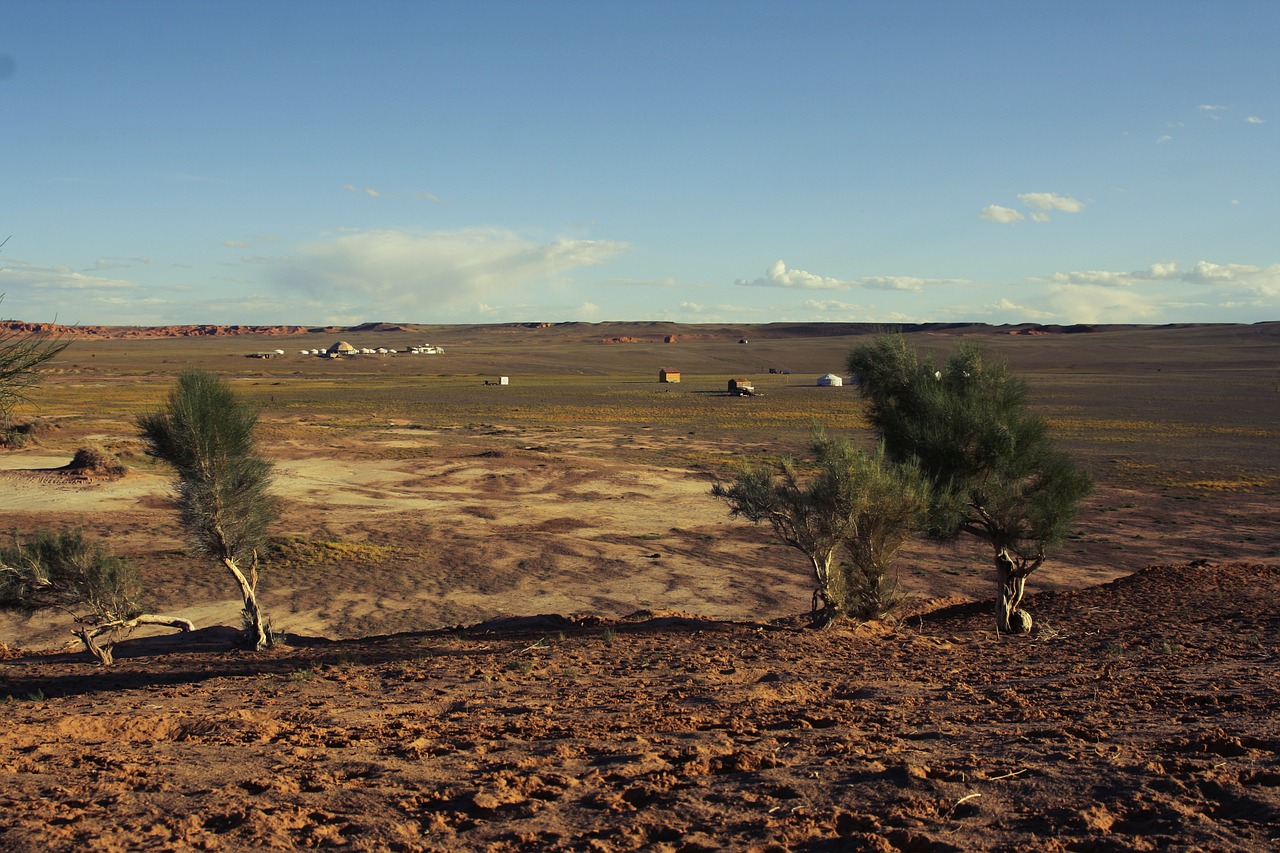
1141 715
94 463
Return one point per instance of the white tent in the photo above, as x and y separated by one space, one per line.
830 379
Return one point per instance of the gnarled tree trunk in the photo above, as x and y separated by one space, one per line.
102 653
256 634
1011 581
826 610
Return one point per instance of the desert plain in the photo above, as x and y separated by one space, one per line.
512 617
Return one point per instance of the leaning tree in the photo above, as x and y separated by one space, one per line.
996 473
843 501
223 483
64 571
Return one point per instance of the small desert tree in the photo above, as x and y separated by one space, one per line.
844 499
995 471
21 356
223 483
889 504
64 571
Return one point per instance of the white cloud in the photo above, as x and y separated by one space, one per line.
1001 214
648 282
1088 303
253 240
1255 120
102 264
1051 201
43 293
1246 278
1040 204
833 305
18 275
1008 311
1163 139
904 282
1212 110
779 276
1263 281
410 274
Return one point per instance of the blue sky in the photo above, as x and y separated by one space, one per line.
696 161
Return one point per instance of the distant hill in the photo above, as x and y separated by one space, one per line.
641 331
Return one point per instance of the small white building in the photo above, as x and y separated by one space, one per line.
830 380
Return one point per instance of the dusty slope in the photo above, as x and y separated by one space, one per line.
1141 715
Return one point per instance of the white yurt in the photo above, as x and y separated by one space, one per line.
830 380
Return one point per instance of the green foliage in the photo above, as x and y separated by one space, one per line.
995 471
65 571
21 356
223 484
845 501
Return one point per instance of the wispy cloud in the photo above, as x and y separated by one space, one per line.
1104 296
103 264
20 274
252 240
1090 303
415 274
1051 201
833 306
1212 110
1040 205
375 192
648 282
1000 213
778 275
42 293
1255 120
1261 280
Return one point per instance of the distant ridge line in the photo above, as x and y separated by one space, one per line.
640 330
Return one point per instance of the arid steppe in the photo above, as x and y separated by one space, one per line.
514 618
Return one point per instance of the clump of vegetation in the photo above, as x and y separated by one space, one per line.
16 435
97 461
995 472
847 503
21 357
64 571
223 483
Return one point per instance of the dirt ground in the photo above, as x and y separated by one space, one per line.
671 700
1145 718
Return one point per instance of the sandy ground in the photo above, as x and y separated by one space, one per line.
669 699
419 529
1131 720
